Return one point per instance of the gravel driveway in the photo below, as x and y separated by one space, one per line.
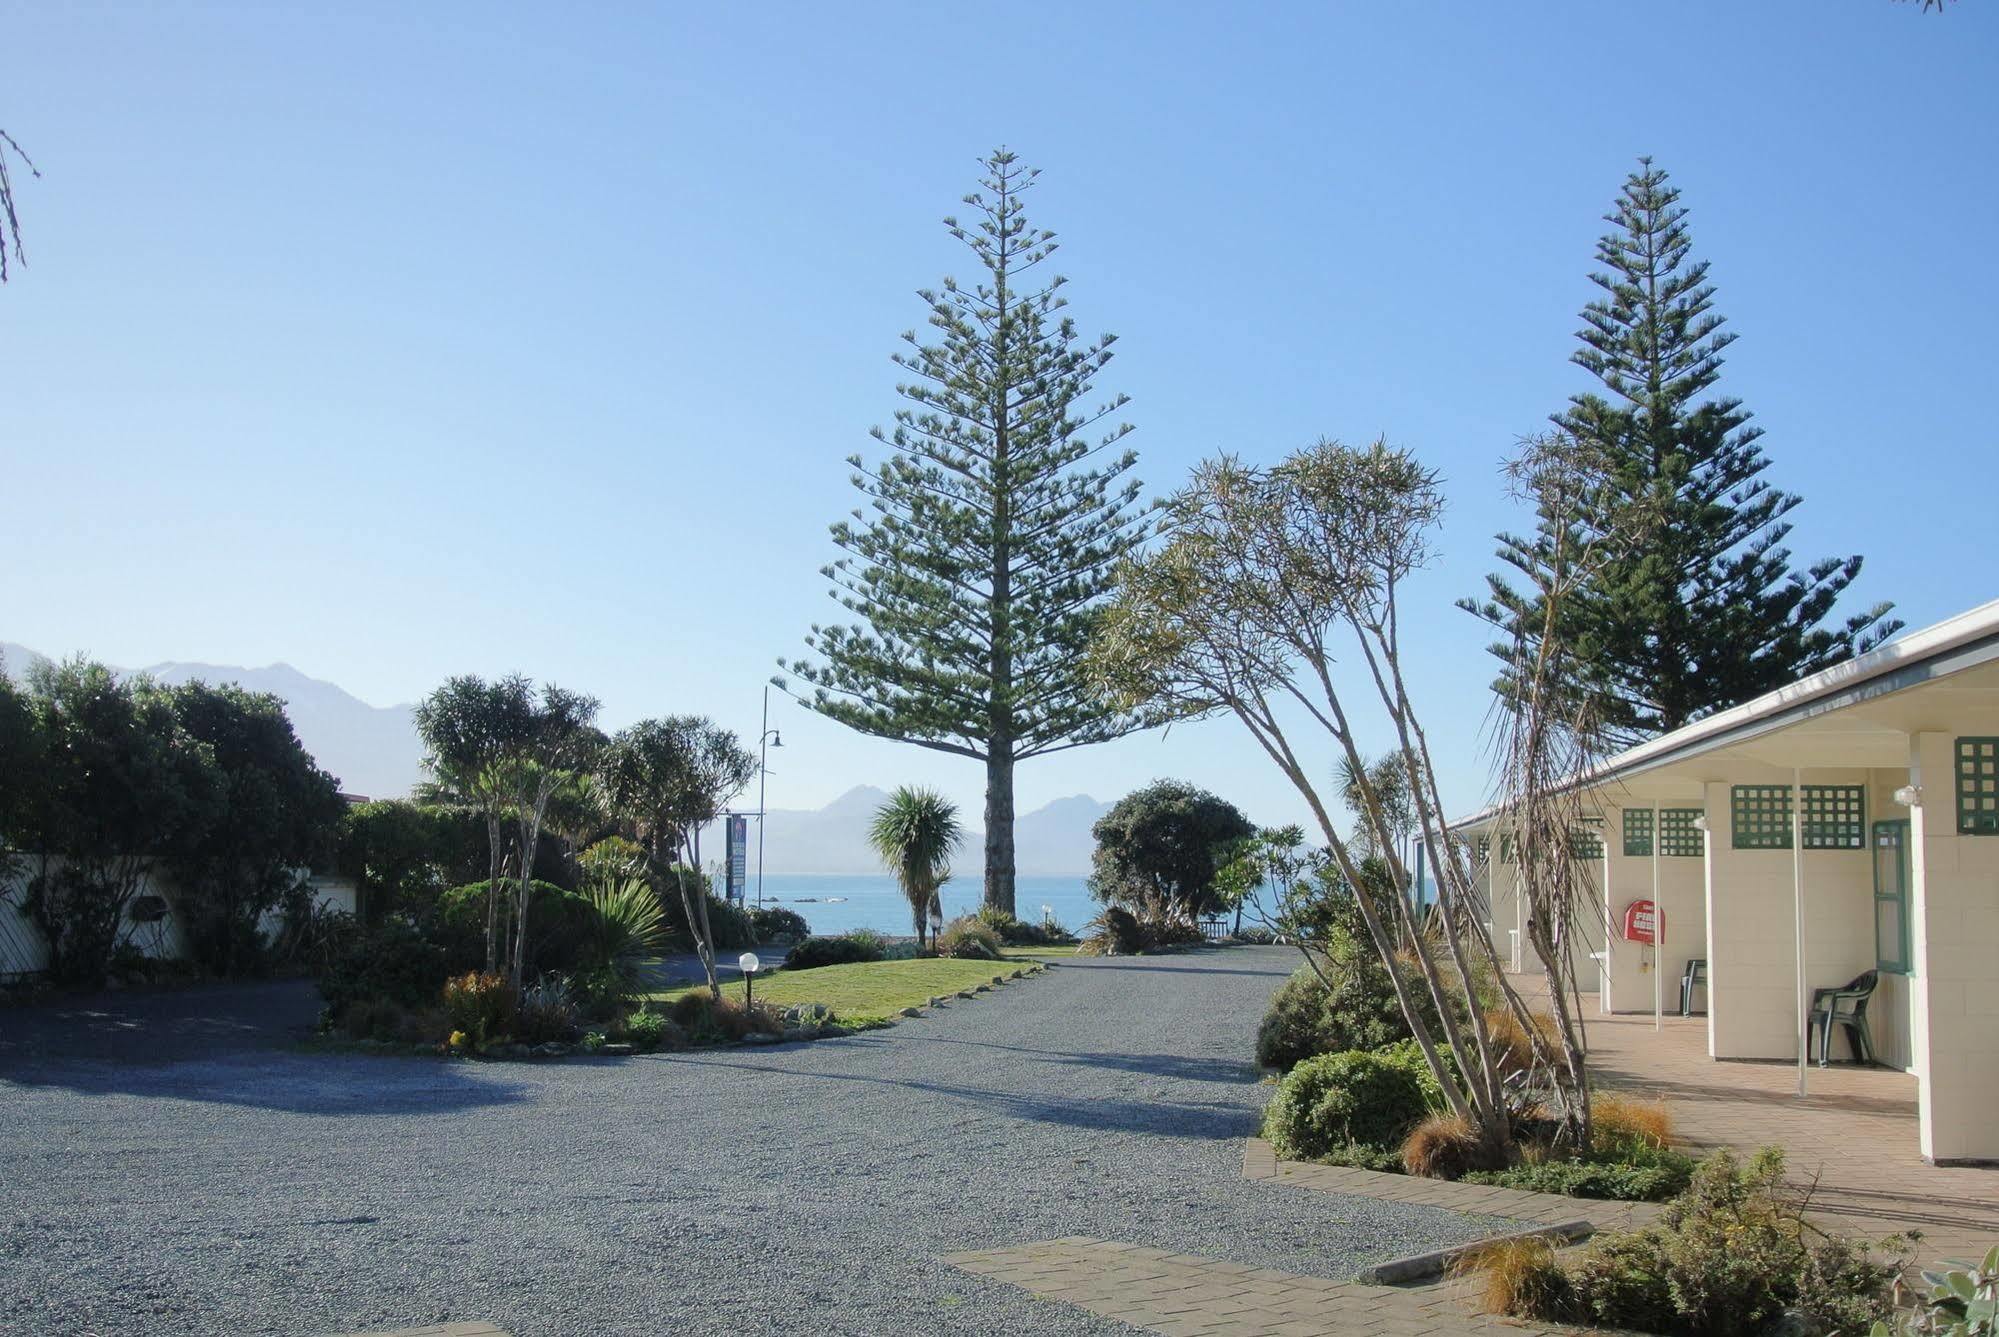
236 1185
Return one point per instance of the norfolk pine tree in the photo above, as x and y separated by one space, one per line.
993 526
1707 613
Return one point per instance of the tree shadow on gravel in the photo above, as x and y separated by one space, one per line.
1232 1072
337 1086
1175 1118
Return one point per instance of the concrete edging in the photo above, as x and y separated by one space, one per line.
1421 1266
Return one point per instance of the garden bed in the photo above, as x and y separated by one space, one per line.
866 989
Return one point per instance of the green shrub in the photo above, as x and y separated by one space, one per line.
648 1031
841 951
1727 1258
1358 1011
1023 933
1595 1179
480 1005
770 923
1961 1301
1337 1100
547 1011
969 939
560 924
393 962
1408 1054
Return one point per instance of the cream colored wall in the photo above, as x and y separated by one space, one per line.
1954 995
1752 950
1682 896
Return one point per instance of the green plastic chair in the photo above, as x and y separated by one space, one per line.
1845 1006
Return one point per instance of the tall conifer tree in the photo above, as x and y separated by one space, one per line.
992 526
1707 612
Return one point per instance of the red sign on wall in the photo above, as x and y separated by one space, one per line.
1641 922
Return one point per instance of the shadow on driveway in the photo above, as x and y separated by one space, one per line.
225 1044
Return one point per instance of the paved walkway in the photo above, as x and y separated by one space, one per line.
1854 1133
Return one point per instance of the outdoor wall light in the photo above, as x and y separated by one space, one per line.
1700 822
1910 796
748 963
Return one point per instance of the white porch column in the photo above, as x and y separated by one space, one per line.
1954 988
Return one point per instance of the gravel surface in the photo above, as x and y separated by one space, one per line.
209 1179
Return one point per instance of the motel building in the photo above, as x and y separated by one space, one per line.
1843 830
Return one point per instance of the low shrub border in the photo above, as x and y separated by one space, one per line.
687 1019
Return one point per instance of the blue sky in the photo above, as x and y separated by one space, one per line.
398 341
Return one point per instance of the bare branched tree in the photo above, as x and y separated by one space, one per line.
10 220
1276 597
1553 723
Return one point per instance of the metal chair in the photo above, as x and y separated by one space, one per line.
1695 978
1845 1006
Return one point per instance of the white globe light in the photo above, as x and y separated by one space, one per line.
749 963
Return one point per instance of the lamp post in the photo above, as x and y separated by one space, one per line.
765 741
748 963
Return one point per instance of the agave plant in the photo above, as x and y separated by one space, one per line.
915 833
628 926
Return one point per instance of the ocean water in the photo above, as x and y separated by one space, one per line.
834 903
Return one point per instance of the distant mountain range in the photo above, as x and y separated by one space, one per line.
373 750
1052 841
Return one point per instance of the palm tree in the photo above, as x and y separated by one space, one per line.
915 833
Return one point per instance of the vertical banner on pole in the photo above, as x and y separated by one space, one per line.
739 857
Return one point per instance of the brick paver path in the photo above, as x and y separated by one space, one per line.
1182 1295
1855 1131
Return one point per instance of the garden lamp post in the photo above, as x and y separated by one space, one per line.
748 963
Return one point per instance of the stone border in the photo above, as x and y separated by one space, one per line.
1426 1266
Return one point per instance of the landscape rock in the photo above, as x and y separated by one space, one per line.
617 1050
760 1038
964 993
910 1012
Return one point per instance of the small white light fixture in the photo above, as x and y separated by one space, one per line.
1700 822
1047 913
748 963
1910 796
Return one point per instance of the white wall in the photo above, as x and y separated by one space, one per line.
23 951
1752 950
1954 991
1682 896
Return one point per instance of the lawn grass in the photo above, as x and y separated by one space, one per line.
866 988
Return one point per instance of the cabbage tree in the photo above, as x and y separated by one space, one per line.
915 833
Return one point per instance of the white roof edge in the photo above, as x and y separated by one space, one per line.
1939 638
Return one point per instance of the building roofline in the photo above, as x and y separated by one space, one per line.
1965 641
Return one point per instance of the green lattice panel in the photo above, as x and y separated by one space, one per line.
1978 786
1679 838
1638 832
1484 848
1835 817
1761 816
1588 842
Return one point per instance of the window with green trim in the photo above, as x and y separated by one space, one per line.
1891 897
1835 817
1679 838
1978 786
1587 843
1638 832
1761 817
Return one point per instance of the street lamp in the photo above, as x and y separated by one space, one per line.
748 963
767 740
